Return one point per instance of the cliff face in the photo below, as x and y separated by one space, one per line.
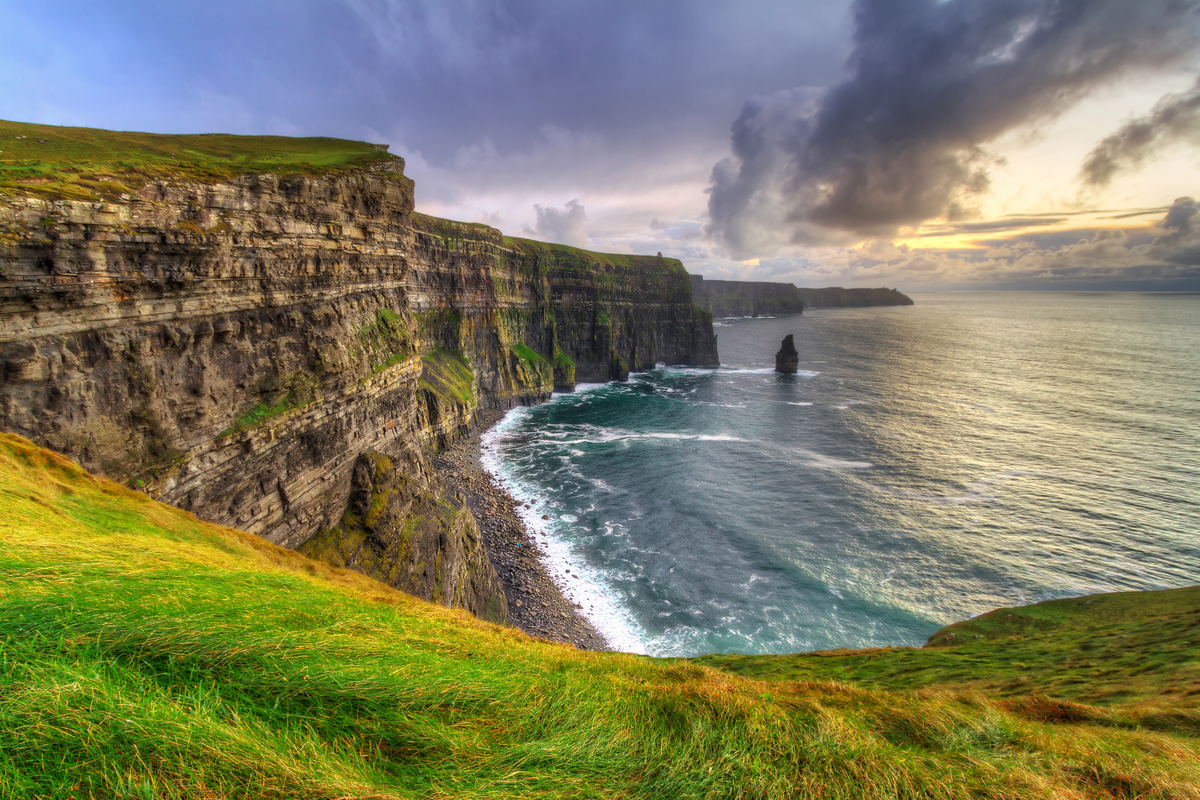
233 348
756 298
837 297
599 315
746 298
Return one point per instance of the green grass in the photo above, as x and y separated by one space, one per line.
90 164
566 254
386 341
528 354
146 654
449 376
1101 649
298 390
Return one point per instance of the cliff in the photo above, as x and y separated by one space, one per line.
759 298
837 297
746 298
148 654
233 344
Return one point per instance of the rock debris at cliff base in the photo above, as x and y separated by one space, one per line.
536 604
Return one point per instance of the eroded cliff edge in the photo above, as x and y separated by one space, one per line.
234 347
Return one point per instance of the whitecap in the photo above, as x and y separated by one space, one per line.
822 461
580 583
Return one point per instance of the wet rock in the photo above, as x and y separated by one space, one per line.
787 360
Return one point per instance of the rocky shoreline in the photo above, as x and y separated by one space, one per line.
536 604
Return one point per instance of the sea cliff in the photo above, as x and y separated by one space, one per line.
760 298
235 346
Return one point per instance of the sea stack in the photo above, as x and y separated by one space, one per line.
787 360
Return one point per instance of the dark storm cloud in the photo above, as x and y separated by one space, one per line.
1176 117
901 140
435 75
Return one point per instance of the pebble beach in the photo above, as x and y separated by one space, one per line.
536 604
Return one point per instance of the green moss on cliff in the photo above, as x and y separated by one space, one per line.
144 653
299 389
563 360
533 370
528 355
386 341
90 164
452 232
448 376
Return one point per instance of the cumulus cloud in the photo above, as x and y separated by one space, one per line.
1176 117
564 226
901 140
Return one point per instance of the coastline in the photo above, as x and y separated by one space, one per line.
536 604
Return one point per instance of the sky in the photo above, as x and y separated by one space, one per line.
920 144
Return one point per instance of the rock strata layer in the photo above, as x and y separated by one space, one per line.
235 348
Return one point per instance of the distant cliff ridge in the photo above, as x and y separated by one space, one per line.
233 346
746 298
758 298
837 297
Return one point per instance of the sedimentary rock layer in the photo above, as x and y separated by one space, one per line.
234 348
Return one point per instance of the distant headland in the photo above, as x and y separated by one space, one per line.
758 298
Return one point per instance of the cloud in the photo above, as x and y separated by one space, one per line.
1165 255
1176 117
566 226
901 140
1016 222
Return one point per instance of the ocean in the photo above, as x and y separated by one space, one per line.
927 464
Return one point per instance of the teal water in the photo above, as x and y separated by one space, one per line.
928 464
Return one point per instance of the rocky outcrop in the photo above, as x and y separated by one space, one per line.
401 528
234 348
787 360
759 298
746 298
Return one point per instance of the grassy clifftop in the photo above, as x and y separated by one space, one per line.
146 654
90 163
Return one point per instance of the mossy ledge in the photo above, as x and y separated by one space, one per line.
144 653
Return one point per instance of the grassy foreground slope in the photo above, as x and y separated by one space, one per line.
146 654
1106 649
91 163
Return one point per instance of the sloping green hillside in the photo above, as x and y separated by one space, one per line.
90 163
146 654
1103 649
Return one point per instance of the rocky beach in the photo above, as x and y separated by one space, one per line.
536 604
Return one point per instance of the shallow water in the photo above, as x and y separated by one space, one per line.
928 463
